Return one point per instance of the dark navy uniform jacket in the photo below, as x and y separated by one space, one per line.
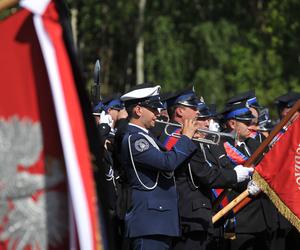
195 192
194 180
154 205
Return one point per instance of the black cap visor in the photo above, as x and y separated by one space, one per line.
153 103
192 102
244 117
205 113
117 107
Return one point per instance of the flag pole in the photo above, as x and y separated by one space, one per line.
258 152
242 200
230 206
5 4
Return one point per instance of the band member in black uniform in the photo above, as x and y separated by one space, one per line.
109 115
285 103
252 103
255 223
194 179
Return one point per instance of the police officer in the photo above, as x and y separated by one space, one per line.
195 178
151 220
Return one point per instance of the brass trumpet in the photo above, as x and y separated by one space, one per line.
212 137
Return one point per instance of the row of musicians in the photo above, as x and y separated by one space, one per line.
163 187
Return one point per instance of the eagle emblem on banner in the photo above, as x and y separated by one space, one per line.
32 211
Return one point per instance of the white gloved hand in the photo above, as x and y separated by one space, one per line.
243 173
213 125
252 188
104 118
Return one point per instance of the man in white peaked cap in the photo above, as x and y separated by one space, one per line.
152 219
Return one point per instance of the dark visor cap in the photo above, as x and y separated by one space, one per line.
186 98
149 102
245 117
287 100
114 104
237 112
204 111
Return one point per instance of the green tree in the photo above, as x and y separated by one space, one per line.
221 46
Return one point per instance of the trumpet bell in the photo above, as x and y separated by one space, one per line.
210 137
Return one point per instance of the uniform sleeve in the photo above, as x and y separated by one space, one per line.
211 176
218 153
146 155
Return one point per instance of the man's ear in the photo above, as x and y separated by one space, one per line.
138 111
109 110
232 124
179 111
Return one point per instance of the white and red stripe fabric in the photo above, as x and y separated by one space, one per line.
27 70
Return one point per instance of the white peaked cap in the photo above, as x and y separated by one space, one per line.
141 93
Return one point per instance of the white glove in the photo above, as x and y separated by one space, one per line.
252 188
243 173
104 118
214 126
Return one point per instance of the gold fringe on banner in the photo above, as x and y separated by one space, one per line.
283 209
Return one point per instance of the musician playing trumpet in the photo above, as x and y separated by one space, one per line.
196 178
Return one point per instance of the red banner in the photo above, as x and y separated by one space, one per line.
46 176
278 174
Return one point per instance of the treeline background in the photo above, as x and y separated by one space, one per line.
222 47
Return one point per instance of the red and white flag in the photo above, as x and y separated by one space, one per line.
278 174
47 191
